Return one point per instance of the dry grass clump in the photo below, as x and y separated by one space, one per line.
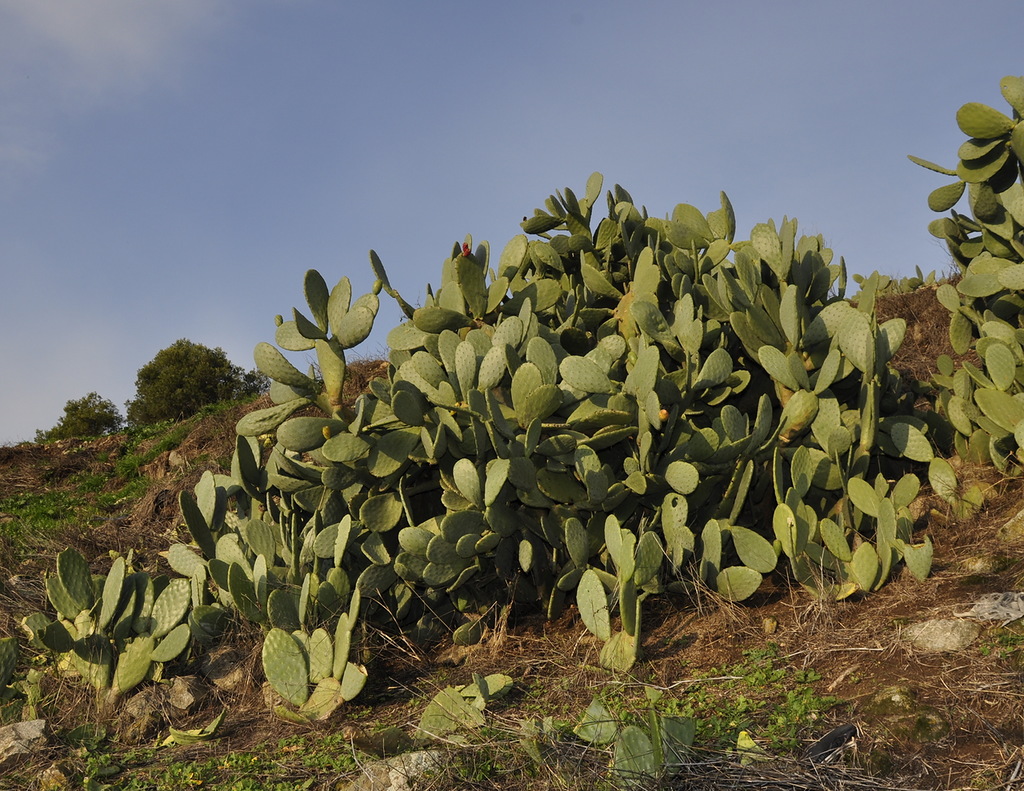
359 374
927 336
31 468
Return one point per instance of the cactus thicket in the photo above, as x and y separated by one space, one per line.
608 409
600 414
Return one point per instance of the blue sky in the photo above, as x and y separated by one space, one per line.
170 168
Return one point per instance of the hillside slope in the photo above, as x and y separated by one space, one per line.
782 667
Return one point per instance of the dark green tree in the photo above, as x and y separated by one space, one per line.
90 416
184 378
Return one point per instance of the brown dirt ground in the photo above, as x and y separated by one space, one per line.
854 645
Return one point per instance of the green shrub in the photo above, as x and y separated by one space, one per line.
184 378
90 416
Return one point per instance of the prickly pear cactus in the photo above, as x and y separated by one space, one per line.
115 630
978 409
8 662
297 661
602 412
989 169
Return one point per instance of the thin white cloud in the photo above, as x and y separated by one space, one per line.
98 45
63 57
15 150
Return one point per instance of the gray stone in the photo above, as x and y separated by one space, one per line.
145 702
224 667
928 726
891 701
942 635
20 740
905 717
186 693
395 774
142 714
271 697
1013 530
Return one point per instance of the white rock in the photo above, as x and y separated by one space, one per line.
186 692
21 739
942 635
396 774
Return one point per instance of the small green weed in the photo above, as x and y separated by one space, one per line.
90 483
132 490
128 465
294 763
40 512
759 694
1002 643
